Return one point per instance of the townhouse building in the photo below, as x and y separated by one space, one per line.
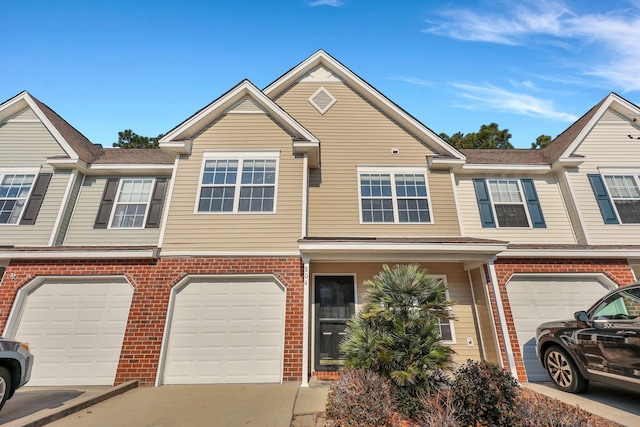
238 251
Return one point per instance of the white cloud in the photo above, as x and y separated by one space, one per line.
612 37
333 3
412 80
502 100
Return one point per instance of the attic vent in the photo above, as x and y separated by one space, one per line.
322 100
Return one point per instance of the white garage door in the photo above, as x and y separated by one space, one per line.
537 300
75 330
226 332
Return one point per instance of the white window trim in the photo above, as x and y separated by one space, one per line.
523 202
394 171
12 171
115 204
635 173
240 156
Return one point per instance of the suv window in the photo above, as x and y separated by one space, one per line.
623 305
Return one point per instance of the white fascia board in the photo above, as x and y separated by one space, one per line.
349 251
79 254
111 168
568 253
323 58
246 88
440 163
187 254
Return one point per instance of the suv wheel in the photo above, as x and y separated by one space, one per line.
563 371
5 385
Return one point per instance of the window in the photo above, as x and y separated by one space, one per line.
238 185
624 305
626 197
513 202
14 192
394 198
508 203
132 203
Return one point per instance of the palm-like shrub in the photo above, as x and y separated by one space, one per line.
396 333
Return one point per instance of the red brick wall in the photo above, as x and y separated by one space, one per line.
152 281
617 270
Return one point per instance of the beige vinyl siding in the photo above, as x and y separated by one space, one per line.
485 318
246 233
558 229
81 232
39 233
607 146
459 291
68 214
25 142
354 133
578 228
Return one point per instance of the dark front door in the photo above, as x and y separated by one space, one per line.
334 306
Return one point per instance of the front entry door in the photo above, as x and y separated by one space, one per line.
334 306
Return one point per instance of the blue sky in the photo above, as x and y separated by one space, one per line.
533 67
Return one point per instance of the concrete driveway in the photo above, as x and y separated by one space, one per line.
261 405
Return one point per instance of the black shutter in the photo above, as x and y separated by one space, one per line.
535 210
155 207
108 197
602 197
35 201
484 203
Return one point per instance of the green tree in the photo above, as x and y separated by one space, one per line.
541 142
129 139
489 136
396 332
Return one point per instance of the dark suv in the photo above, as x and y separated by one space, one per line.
600 344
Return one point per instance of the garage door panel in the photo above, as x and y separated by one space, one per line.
226 332
76 330
537 300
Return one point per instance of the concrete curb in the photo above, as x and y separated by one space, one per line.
55 414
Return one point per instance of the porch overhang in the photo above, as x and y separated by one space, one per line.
472 253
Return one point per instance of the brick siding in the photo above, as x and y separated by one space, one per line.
618 271
152 281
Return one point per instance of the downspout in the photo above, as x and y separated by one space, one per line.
504 331
305 260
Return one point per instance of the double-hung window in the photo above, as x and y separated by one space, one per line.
509 202
238 182
393 196
625 193
14 193
132 203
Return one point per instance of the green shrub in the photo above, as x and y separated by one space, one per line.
396 332
360 398
484 394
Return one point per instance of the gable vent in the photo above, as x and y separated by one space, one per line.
322 100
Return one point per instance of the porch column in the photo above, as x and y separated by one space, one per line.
502 319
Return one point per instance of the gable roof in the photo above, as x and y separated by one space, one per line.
80 152
179 138
564 146
322 58
75 144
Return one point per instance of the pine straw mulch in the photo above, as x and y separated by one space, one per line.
575 416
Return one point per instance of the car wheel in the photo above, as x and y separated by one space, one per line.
5 386
563 371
